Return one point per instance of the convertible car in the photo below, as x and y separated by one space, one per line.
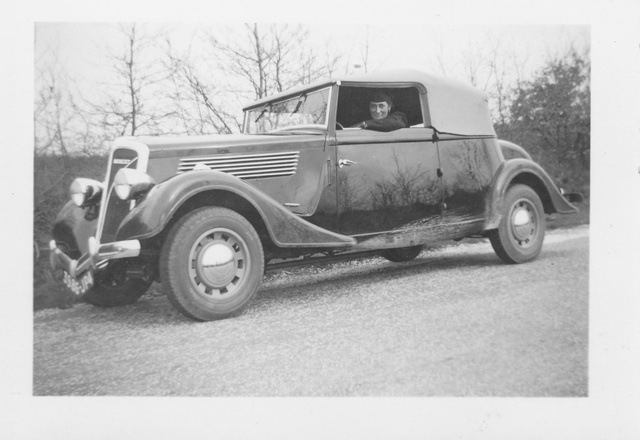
206 215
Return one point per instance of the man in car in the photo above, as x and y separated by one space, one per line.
382 118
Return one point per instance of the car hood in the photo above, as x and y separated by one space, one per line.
164 146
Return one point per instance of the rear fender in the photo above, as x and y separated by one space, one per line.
529 173
285 229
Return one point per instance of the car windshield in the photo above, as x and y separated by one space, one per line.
304 111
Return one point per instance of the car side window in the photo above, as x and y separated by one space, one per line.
354 103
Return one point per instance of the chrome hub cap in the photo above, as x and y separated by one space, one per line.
523 223
218 263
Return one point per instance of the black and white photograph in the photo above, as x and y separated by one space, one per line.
266 226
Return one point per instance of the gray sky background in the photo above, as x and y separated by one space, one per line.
610 411
83 48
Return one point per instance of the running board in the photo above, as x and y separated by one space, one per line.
320 260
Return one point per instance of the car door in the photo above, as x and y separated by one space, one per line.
386 181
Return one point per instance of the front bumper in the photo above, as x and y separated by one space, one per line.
97 256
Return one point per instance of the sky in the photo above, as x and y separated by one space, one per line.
82 48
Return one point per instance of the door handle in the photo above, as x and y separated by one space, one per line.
345 163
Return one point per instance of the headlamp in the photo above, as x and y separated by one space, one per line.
85 192
130 184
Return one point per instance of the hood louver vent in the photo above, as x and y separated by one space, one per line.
246 166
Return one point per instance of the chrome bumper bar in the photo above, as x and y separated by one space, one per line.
97 254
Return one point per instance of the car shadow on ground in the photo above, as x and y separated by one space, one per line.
309 283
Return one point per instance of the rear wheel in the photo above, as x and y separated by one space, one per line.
520 235
401 255
211 264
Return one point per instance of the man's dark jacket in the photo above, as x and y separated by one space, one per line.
392 122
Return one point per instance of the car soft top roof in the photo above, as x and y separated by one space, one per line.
452 106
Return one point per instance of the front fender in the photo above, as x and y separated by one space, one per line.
286 229
529 173
72 228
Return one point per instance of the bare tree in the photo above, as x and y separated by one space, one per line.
52 117
272 58
364 51
195 98
134 100
440 59
247 58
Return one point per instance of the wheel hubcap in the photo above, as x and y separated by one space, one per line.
523 223
217 263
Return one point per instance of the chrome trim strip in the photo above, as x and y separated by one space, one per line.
254 175
231 166
247 156
247 165
119 249
289 170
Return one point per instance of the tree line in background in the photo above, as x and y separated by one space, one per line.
152 87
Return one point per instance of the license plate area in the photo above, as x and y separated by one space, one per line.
81 284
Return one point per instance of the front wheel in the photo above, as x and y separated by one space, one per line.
520 234
212 264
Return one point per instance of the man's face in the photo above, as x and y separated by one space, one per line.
378 110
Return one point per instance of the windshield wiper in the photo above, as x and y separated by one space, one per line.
262 112
302 99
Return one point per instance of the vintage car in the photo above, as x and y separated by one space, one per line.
206 215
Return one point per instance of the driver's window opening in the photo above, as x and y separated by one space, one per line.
353 104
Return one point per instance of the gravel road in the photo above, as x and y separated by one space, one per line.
454 322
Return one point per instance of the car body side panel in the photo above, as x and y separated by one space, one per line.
528 172
301 191
285 228
467 174
393 180
305 159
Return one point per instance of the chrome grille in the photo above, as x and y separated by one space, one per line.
125 154
246 166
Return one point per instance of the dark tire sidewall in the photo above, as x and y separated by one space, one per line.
175 258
